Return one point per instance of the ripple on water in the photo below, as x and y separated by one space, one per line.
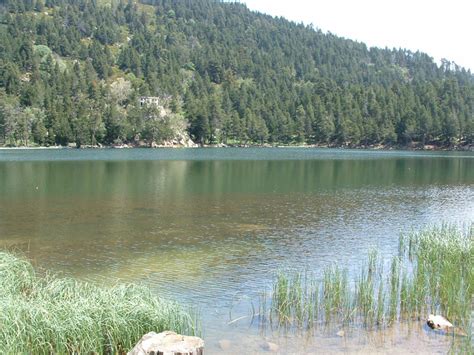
211 227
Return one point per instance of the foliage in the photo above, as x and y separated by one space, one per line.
45 315
433 273
241 77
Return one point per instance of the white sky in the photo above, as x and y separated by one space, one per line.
442 29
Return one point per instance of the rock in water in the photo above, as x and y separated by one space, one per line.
224 344
168 343
441 323
438 322
268 346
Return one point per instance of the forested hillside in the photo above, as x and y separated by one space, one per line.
73 71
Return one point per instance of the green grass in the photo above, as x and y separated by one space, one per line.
44 315
432 273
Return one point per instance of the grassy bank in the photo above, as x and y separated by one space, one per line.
41 315
433 273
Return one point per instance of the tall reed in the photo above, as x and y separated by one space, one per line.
432 273
44 315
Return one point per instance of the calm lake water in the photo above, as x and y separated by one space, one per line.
210 227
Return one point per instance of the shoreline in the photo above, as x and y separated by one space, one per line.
426 148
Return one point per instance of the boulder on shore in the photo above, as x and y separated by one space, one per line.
168 343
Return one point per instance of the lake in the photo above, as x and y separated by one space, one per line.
211 227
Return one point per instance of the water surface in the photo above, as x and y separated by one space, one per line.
209 227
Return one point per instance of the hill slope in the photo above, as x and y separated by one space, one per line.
74 71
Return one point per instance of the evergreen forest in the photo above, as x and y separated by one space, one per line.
81 71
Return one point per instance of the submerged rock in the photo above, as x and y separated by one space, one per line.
224 344
168 343
269 346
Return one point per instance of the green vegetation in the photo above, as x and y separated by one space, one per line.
73 71
433 273
45 315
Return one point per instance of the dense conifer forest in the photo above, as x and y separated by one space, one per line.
74 71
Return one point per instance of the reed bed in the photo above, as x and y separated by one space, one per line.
432 273
45 315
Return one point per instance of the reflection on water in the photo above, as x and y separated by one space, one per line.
215 225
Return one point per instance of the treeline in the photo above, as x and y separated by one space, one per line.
74 71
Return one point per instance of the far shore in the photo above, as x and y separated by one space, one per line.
464 148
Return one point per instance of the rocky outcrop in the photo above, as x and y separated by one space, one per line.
181 139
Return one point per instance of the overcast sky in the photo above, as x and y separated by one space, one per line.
443 29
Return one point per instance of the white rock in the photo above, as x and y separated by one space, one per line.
168 343
438 322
